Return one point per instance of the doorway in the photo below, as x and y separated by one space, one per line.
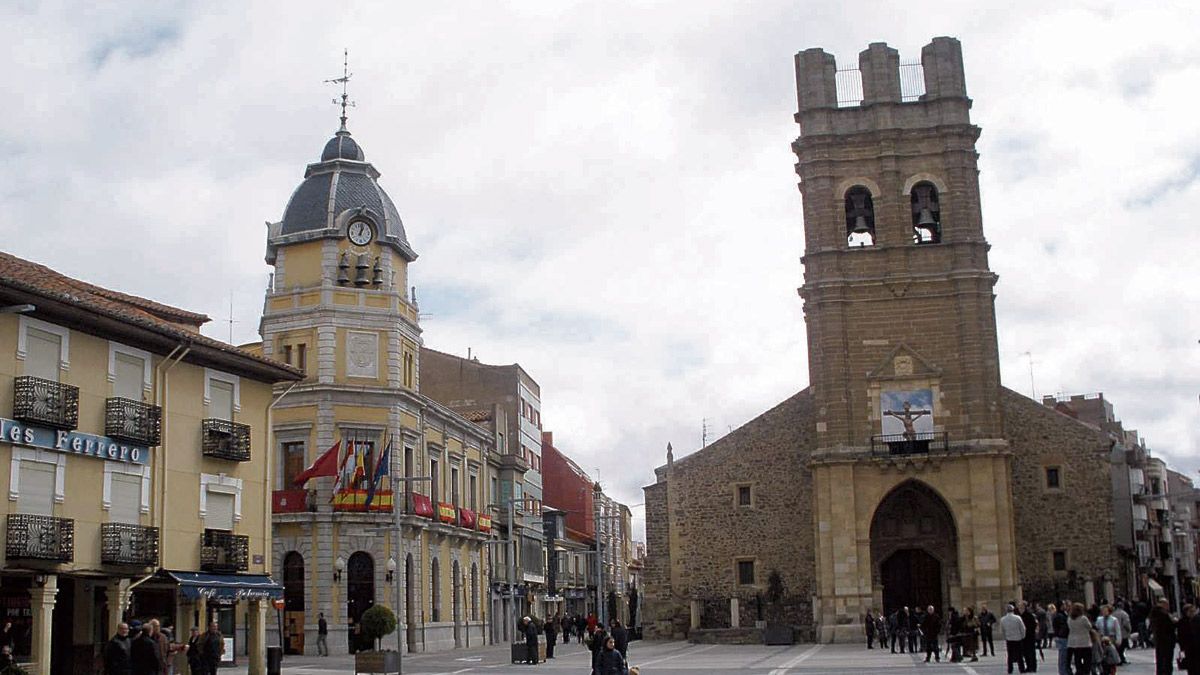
360 596
293 603
911 578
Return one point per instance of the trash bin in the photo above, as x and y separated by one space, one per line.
274 660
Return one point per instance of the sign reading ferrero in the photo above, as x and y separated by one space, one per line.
72 442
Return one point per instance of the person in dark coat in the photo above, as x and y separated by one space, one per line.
144 653
1188 640
931 626
1029 646
620 636
1162 628
531 640
195 651
869 627
117 657
954 635
214 647
599 637
551 628
609 661
986 621
581 627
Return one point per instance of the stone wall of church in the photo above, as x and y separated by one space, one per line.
1076 517
708 532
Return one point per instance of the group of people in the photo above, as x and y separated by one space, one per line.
1089 641
148 649
609 647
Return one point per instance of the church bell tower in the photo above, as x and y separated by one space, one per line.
898 300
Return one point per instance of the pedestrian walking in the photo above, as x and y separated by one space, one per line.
322 635
1108 625
1109 658
1012 629
530 629
869 626
620 636
1029 644
117 657
143 652
195 651
1162 630
609 661
214 648
1126 629
1079 640
1059 633
599 638
551 630
970 637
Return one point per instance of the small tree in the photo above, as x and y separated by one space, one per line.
377 622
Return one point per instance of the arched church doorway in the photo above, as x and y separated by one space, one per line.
914 549
360 595
293 602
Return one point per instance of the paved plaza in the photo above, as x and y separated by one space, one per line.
680 658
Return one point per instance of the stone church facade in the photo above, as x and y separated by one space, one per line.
905 473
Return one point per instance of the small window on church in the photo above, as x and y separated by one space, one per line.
926 214
860 217
1053 478
745 572
743 495
1059 561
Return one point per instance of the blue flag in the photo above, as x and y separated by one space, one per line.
381 470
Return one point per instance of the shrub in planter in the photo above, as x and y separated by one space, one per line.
378 622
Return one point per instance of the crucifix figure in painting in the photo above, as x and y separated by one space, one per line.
907 418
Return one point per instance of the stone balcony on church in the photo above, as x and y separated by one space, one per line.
917 443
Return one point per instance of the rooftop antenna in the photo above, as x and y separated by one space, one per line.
230 320
1032 389
345 101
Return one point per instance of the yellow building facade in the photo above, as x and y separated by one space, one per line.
339 309
138 471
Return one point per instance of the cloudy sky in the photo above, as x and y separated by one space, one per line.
604 192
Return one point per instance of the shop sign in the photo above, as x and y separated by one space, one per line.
72 442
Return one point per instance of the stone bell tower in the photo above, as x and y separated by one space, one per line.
902 338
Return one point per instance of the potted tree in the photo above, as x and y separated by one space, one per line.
377 622
777 631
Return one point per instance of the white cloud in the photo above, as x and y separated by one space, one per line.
605 194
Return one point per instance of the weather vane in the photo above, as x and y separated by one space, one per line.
345 101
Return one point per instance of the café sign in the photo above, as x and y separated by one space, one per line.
72 442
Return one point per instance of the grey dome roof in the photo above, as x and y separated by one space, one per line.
341 146
340 187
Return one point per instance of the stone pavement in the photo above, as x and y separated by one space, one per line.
681 658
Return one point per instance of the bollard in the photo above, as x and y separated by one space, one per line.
274 660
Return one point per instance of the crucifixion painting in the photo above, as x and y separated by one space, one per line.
907 413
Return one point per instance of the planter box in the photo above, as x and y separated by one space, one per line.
377 662
518 651
778 634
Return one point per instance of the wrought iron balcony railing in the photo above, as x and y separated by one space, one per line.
133 421
40 538
918 443
45 402
125 544
226 440
222 551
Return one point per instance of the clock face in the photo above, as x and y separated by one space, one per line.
360 232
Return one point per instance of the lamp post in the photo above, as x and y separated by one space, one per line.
512 559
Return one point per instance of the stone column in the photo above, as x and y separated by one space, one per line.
118 600
256 637
1089 593
41 602
695 618
1109 595
735 616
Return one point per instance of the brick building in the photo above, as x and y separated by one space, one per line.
905 473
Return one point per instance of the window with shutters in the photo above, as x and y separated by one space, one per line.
128 376
220 404
42 353
473 496
293 462
219 514
454 498
126 498
36 496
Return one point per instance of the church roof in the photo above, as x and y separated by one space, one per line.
341 187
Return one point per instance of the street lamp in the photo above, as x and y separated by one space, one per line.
512 558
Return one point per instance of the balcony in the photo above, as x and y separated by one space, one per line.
223 439
921 443
40 538
222 551
45 402
124 544
133 421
